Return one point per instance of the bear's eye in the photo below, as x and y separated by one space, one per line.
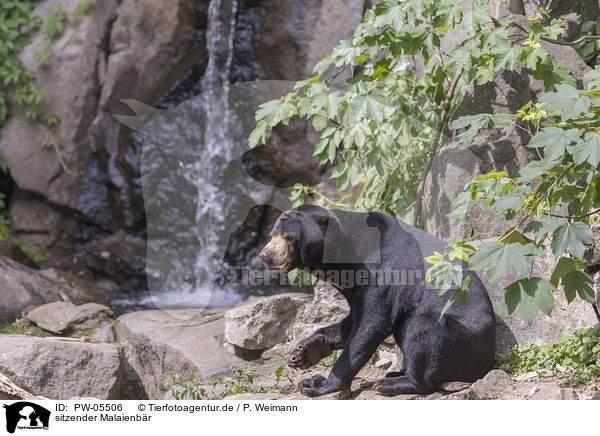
289 237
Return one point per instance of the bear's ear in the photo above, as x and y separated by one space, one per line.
314 235
329 224
333 241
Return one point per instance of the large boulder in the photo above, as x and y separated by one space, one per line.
61 368
160 344
263 322
21 287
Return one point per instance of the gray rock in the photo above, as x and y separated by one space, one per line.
490 387
493 149
293 36
552 392
327 306
159 344
592 253
60 369
61 317
263 322
564 319
597 289
21 287
147 42
89 291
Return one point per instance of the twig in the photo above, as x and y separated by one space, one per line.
573 216
434 148
60 158
556 41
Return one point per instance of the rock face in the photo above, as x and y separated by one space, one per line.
326 307
159 344
564 319
21 287
43 209
263 322
493 149
290 39
60 368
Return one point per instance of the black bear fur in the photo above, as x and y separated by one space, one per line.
456 347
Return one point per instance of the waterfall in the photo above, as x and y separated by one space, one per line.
196 191
220 34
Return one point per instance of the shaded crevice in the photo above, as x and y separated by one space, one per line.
7 185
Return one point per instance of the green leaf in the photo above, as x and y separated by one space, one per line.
345 54
594 78
587 149
578 281
573 237
507 55
563 267
258 135
446 275
322 65
459 295
366 106
476 123
567 99
459 57
554 140
528 296
498 257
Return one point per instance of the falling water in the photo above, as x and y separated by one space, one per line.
196 190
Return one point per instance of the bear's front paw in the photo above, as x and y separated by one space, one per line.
313 387
309 353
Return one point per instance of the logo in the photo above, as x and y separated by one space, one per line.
26 415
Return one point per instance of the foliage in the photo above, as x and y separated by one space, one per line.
13 328
17 23
330 360
21 327
575 359
282 372
242 381
187 390
555 199
383 126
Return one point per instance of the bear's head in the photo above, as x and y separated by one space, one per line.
299 238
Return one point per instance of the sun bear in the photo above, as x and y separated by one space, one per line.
456 347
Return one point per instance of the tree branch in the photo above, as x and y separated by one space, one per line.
417 219
10 391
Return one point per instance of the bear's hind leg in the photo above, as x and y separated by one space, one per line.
402 385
